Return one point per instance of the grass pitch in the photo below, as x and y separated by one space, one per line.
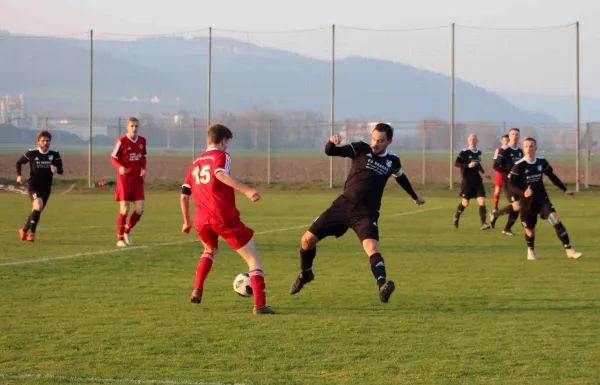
469 308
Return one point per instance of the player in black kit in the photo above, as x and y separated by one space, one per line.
358 206
503 163
526 181
469 162
44 162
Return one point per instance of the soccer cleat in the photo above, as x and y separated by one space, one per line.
22 235
31 237
196 296
485 226
127 238
508 232
573 254
531 255
493 218
263 310
121 243
455 222
386 290
301 281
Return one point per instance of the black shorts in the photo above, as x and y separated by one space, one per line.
339 217
530 212
509 195
470 190
35 192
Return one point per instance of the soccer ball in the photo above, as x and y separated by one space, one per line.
241 285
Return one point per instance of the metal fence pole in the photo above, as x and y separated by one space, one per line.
119 127
451 182
346 125
588 154
193 139
424 151
577 144
269 152
332 101
90 117
208 90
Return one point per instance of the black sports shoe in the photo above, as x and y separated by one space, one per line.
263 310
493 218
303 278
386 290
196 296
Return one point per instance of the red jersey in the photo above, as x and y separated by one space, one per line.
214 200
130 154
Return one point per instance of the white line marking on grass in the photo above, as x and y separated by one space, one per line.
74 379
118 250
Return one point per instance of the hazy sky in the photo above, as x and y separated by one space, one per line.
528 61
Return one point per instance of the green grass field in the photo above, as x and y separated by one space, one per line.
469 308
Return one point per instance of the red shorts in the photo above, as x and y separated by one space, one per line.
499 179
129 192
237 235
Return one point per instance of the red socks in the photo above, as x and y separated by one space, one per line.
121 219
496 199
204 266
133 219
257 281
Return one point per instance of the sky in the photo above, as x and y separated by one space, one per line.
526 60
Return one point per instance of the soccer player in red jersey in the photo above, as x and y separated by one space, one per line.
129 158
499 177
212 188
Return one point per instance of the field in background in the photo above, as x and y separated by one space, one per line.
469 308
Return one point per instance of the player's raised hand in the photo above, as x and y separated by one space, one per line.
419 201
53 169
252 194
528 192
186 228
20 179
336 139
122 170
570 193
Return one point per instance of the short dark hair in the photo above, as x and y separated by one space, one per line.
505 136
514 129
45 134
218 132
384 127
530 139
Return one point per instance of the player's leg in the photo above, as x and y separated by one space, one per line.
529 219
512 217
497 188
133 219
549 212
367 230
210 240
480 195
121 221
331 223
464 203
38 205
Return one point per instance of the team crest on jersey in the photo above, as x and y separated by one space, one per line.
50 157
141 146
389 163
539 167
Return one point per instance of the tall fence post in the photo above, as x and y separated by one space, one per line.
424 151
577 123
193 139
90 117
119 127
588 154
208 85
451 182
346 125
332 101
269 152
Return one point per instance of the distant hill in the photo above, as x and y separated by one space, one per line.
54 73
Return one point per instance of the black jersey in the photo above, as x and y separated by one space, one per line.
40 174
506 158
525 174
369 173
470 174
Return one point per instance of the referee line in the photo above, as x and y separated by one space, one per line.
119 250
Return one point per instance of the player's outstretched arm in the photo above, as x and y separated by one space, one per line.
556 181
22 160
230 181
331 148
403 181
57 162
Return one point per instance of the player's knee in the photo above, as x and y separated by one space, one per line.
38 205
465 202
371 246
139 211
309 241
